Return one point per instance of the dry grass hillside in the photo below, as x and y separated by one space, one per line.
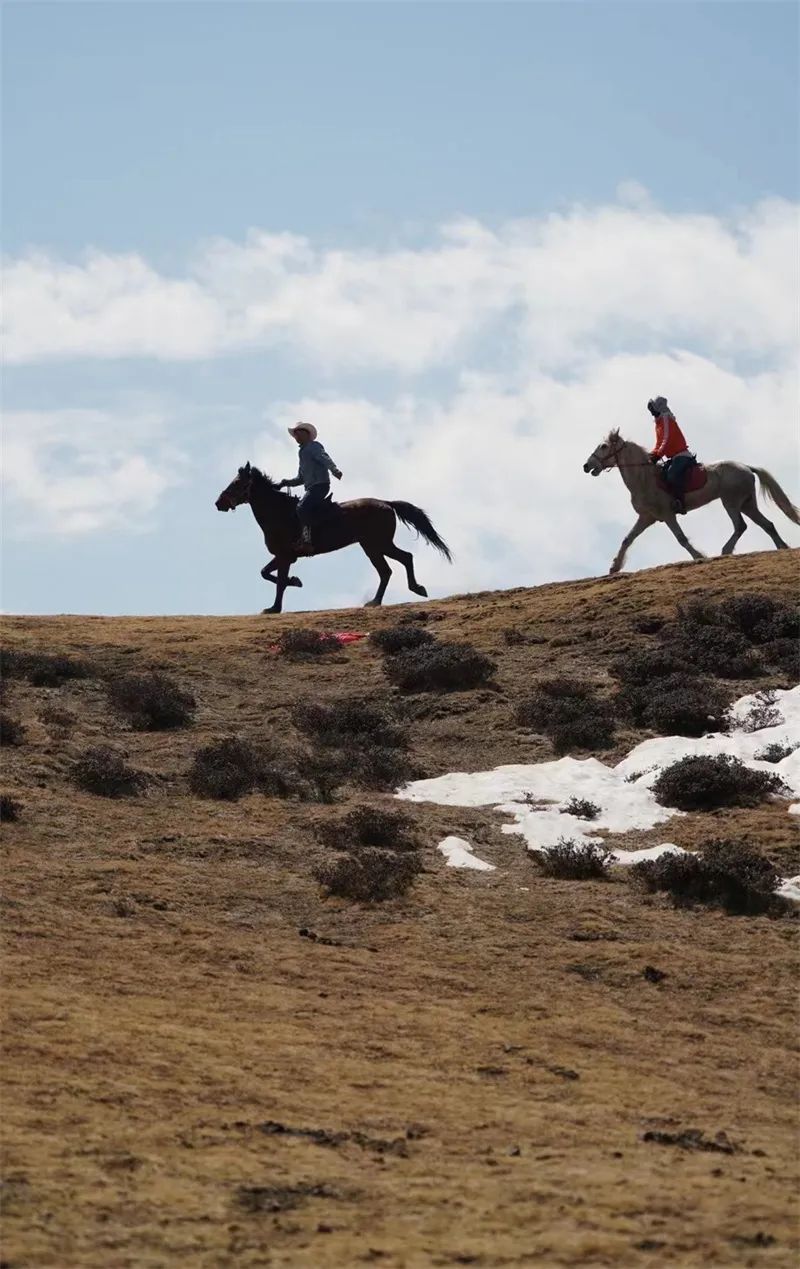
210 1062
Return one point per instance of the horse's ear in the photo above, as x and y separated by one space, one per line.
246 469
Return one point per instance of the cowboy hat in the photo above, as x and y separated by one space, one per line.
304 427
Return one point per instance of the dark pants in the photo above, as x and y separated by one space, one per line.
676 472
310 505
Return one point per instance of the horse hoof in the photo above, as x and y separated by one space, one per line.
420 590
294 581
269 612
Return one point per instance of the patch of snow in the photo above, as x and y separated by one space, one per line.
459 854
531 793
628 857
790 889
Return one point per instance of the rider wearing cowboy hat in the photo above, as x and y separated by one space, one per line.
314 475
670 444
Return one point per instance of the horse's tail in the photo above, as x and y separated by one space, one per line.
771 489
417 519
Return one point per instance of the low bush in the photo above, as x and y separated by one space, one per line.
10 809
440 667
152 701
645 666
370 876
715 649
582 808
726 874
573 861
568 713
369 826
776 752
400 638
305 644
783 655
104 772
226 769
763 712
11 730
43 669
349 721
761 618
703 783
676 705
381 769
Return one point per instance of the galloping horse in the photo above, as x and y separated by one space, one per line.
733 483
366 521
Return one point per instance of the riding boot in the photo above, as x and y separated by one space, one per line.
679 506
304 545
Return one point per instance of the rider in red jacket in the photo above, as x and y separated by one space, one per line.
670 445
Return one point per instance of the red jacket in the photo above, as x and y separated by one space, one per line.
670 440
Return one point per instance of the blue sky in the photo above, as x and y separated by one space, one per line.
152 130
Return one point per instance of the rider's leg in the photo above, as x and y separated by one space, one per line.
307 510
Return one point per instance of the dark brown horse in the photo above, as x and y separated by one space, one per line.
367 521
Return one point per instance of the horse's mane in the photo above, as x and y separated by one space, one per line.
258 475
614 438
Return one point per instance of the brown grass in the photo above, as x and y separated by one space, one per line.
163 1008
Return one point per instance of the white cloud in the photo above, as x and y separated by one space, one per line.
81 471
551 330
558 287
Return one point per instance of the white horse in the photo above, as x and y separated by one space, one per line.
733 483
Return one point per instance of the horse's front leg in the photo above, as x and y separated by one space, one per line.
675 529
641 524
269 576
281 582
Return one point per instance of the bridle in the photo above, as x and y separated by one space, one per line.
612 459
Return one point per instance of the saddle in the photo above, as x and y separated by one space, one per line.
694 478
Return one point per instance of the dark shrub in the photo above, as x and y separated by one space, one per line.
783 655
104 771
440 667
304 644
573 861
152 702
761 618
11 730
717 649
400 638
582 808
371 876
43 669
369 826
350 721
226 769
676 705
381 769
595 731
567 711
553 701
10 809
702 783
726 874
321 772
775 752
643 667
764 712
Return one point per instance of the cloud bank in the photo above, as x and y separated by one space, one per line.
473 374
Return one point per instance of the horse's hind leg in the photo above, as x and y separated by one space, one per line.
750 509
383 570
739 526
407 560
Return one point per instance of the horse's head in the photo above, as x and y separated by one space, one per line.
605 456
237 492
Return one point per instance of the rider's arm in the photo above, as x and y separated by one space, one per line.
324 457
298 480
662 436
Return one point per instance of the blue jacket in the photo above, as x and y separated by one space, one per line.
315 466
